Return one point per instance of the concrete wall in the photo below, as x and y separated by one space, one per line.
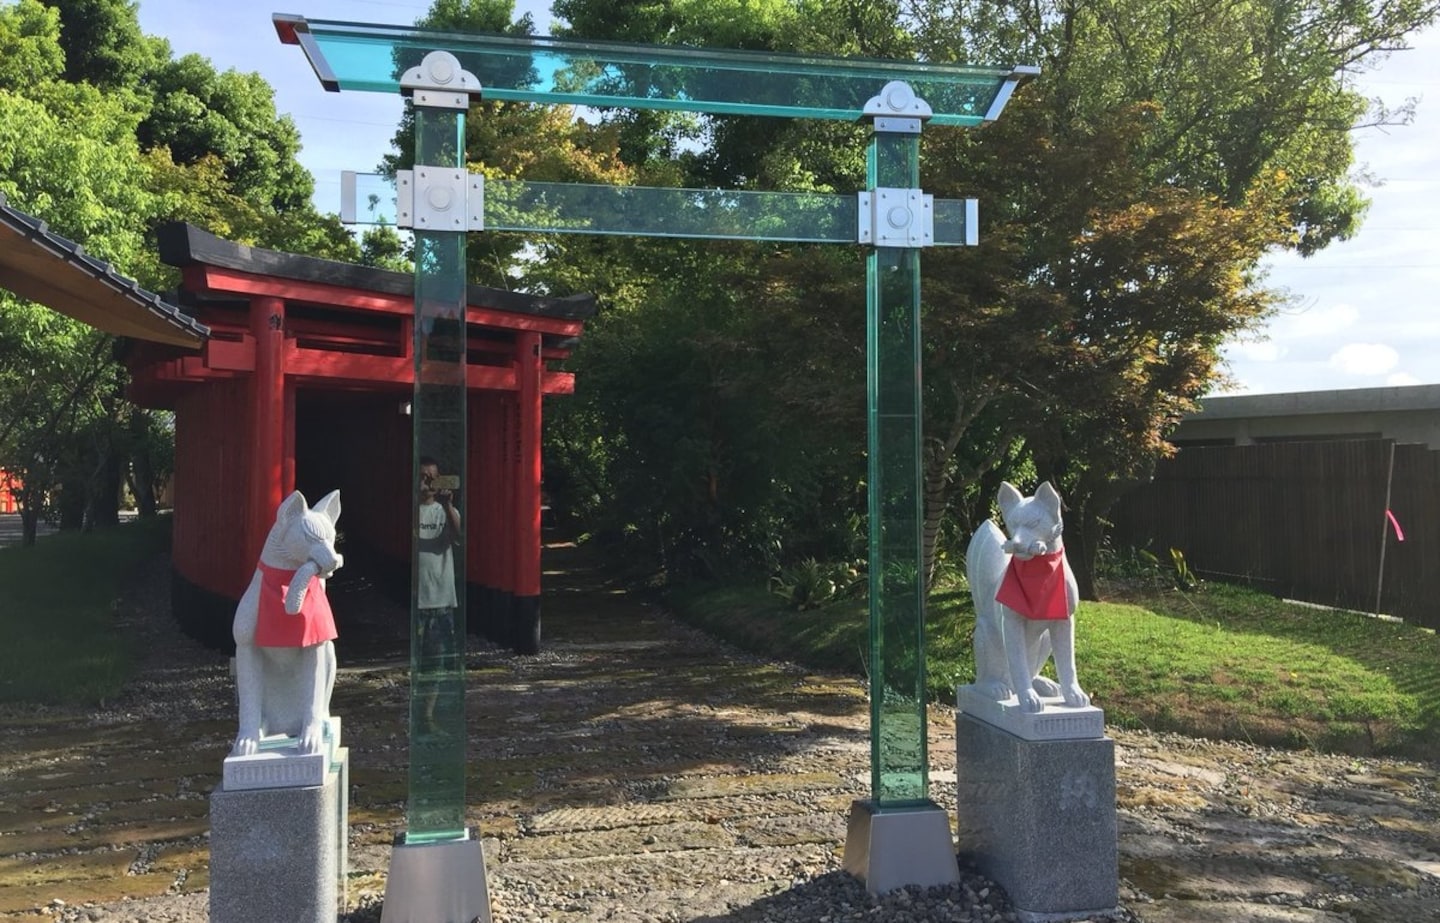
1407 415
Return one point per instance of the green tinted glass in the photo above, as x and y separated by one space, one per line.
632 210
356 56
435 810
641 211
898 762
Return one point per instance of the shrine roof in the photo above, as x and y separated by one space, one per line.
183 245
40 265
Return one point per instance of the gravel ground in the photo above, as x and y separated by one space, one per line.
639 771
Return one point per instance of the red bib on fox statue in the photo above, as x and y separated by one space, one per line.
313 624
1036 588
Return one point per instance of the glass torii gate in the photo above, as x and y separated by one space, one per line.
899 836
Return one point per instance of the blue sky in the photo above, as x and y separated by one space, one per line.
1365 313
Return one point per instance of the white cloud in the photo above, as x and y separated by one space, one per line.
1314 322
1364 359
1402 380
1261 351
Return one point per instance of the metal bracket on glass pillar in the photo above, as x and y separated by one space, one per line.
439 82
438 199
430 198
896 218
890 217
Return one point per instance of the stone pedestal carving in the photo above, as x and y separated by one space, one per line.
1056 722
1038 817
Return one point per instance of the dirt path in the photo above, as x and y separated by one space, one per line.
637 770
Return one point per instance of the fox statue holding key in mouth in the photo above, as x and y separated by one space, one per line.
284 630
1025 600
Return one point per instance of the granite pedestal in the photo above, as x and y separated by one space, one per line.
1037 817
278 854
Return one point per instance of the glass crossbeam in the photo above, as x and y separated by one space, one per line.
646 211
541 69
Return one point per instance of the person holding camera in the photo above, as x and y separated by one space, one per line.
438 532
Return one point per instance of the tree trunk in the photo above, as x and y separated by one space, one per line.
142 481
71 504
940 483
105 499
1081 546
29 524
1088 529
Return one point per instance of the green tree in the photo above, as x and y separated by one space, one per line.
105 137
1135 187
103 44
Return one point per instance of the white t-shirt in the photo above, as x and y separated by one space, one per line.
436 575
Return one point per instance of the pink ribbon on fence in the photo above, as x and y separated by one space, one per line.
1399 535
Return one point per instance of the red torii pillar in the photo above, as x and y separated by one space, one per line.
526 518
272 468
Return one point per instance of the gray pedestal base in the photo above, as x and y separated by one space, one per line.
1037 817
277 854
434 882
895 847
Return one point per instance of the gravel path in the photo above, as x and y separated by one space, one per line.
636 770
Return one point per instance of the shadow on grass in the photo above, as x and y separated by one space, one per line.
1220 662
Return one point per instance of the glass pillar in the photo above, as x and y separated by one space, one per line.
899 774
435 809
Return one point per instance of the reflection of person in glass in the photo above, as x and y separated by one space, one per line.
438 530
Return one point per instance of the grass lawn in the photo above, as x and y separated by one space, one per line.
1219 661
58 639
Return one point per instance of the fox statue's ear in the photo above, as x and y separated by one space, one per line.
1049 498
1008 497
290 507
329 506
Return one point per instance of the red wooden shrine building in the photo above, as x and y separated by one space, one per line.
304 382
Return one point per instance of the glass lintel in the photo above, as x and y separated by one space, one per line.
358 56
647 211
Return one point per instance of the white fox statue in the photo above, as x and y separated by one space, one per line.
284 630
1025 600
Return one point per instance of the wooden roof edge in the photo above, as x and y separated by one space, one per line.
38 233
183 244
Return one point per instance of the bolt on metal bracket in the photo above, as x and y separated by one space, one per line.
896 218
439 82
439 199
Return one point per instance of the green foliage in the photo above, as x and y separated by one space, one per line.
1127 565
1185 578
1136 185
29 45
1131 192
104 137
198 113
59 641
103 44
811 584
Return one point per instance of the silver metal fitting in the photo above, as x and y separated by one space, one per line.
439 199
898 102
439 82
896 218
